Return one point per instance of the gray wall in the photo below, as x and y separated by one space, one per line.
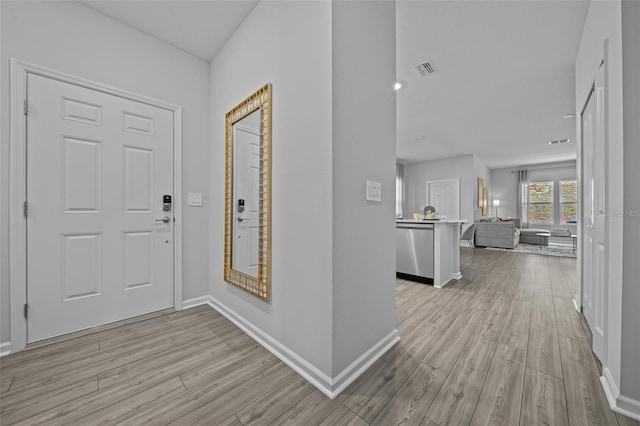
69 37
417 175
630 380
482 171
364 112
333 253
505 187
604 22
267 47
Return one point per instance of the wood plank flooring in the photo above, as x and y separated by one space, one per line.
502 346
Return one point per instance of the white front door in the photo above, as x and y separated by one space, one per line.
246 167
98 166
593 189
444 195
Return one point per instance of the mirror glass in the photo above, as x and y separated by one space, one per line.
245 232
248 194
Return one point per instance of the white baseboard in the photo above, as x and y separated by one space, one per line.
327 385
5 348
196 301
575 305
619 403
360 365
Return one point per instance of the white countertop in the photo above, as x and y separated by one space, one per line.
430 221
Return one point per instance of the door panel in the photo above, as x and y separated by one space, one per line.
588 209
138 259
599 294
594 295
97 168
81 266
81 183
138 179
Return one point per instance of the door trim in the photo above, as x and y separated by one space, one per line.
580 107
589 91
18 186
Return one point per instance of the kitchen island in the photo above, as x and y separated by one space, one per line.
428 251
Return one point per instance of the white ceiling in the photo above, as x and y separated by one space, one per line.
504 79
504 75
199 27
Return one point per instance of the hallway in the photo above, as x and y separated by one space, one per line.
501 346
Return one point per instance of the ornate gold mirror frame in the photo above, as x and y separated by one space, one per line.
261 285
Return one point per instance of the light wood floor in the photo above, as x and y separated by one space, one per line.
501 346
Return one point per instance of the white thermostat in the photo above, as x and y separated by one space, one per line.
374 191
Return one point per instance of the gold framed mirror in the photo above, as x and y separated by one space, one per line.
247 229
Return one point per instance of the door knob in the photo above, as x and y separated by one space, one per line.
240 219
165 219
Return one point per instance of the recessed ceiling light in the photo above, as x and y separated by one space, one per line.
397 85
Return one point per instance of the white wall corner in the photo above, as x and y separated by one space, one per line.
286 355
360 365
196 301
619 403
328 386
5 348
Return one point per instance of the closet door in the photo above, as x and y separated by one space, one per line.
594 295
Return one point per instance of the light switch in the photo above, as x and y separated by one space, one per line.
195 199
374 191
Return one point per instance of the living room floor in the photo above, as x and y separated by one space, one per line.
503 345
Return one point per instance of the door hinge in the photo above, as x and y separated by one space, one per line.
26 107
25 209
26 311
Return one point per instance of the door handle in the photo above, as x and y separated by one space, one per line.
240 219
165 219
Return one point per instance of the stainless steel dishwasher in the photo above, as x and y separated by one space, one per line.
414 252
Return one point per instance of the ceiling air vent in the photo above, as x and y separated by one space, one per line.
425 69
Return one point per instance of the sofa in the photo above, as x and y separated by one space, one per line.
497 234
506 234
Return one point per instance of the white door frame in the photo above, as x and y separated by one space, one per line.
18 186
586 93
580 106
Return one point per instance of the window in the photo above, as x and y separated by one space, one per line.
398 196
568 201
399 189
541 202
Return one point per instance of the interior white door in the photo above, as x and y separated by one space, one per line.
594 243
98 166
246 155
444 196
